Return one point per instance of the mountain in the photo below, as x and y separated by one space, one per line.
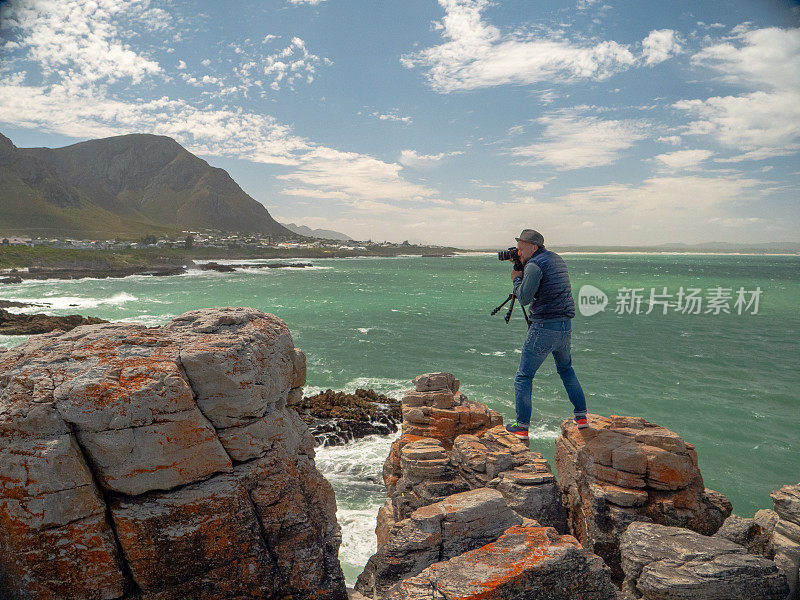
127 185
326 234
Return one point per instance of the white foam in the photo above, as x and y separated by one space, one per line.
394 388
355 471
148 319
52 302
9 341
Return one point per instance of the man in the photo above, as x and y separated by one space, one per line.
544 282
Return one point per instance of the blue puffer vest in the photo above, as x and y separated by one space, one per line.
553 299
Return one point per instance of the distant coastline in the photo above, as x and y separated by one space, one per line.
18 263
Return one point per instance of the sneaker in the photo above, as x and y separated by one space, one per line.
581 422
521 431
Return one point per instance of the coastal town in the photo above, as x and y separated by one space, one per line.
206 238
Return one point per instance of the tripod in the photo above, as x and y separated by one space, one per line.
513 298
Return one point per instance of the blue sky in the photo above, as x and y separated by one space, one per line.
456 122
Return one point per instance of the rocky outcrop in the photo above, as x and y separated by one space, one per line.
625 469
525 562
436 532
29 324
336 418
662 562
786 535
162 463
454 463
450 445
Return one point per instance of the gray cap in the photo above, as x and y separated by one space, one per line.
531 236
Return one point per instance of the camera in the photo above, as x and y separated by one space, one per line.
511 254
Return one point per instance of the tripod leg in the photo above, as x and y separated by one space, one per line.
511 308
496 310
525 314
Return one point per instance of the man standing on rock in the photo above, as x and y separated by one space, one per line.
544 282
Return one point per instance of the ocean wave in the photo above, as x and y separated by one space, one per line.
149 320
52 302
394 388
10 341
355 470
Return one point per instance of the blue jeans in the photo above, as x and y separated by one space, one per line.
542 339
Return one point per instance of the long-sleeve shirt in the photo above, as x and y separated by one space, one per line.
527 284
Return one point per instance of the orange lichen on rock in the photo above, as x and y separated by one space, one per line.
132 460
625 469
523 562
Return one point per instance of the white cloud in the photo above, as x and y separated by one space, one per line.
181 65
75 101
683 159
756 58
758 124
660 45
353 175
575 142
527 186
392 116
661 209
205 62
477 55
411 158
675 140
310 2
81 42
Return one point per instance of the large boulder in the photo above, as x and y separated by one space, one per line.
786 535
625 469
673 563
436 532
162 463
534 563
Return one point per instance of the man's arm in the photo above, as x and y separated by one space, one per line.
527 284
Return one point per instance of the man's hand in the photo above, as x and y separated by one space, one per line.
516 274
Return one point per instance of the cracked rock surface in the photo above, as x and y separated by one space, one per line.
455 481
162 463
672 563
625 469
534 563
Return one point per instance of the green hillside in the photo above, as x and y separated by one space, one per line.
124 186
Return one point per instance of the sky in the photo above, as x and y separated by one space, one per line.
457 122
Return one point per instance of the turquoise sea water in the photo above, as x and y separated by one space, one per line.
727 383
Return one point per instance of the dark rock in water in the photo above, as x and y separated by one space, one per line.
40 273
284 265
665 563
531 563
23 324
213 266
14 303
336 418
625 469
